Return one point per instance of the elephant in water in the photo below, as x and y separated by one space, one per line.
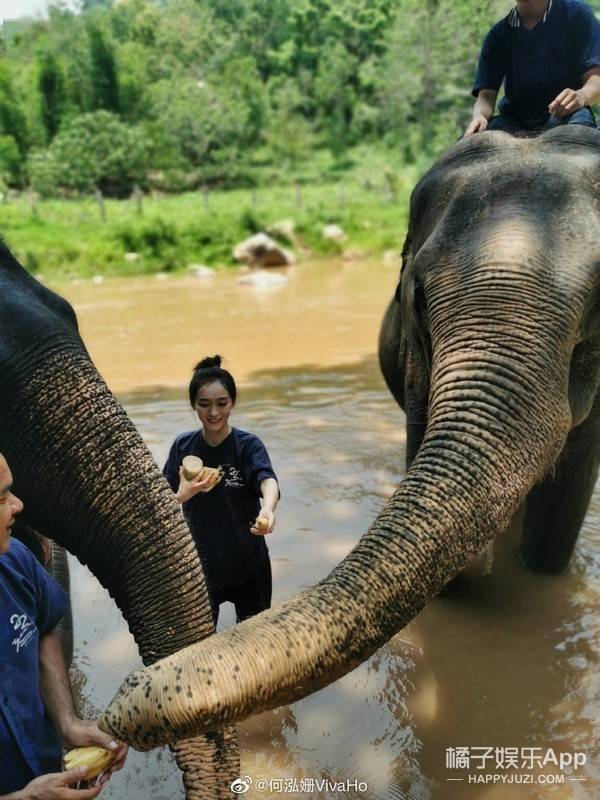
491 345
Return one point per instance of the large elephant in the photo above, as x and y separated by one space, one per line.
491 345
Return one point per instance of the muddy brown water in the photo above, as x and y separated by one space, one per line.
506 664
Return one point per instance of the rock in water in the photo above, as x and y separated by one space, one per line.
262 251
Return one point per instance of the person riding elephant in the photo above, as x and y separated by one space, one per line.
547 53
491 346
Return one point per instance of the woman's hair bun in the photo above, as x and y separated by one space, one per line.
208 362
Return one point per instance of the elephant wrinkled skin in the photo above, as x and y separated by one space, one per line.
491 346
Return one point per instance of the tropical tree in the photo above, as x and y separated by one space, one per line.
10 161
92 151
211 122
290 136
51 85
105 87
12 120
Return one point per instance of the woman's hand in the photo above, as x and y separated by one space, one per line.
268 515
188 489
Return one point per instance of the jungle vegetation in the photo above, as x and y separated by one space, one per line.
176 96
190 92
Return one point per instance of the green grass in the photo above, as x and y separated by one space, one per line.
68 238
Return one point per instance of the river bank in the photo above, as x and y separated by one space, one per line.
79 238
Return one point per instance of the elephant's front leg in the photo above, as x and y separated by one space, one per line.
556 507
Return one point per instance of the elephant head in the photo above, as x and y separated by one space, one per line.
491 345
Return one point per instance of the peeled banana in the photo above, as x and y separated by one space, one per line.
96 759
261 524
214 474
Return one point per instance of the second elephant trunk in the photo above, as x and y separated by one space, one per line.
467 480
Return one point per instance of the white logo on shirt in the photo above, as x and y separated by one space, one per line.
234 477
26 628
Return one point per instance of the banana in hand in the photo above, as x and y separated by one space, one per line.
96 759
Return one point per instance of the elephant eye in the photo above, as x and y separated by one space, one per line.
419 295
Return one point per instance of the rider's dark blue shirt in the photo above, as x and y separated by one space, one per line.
220 520
536 65
31 604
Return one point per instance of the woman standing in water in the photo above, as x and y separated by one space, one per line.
222 517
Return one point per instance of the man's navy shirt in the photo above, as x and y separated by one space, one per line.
31 605
220 520
538 64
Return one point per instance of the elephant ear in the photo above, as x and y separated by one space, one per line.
405 352
415 352
406 257
415 343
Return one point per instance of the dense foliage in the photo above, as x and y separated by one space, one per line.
191 92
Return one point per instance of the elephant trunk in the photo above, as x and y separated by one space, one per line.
478 460
103 498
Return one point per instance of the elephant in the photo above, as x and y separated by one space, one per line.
88 482
490 345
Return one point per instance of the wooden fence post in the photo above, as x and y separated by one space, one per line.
33 202
137 193
100 201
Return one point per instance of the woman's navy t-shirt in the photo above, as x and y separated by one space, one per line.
31 605
220 520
